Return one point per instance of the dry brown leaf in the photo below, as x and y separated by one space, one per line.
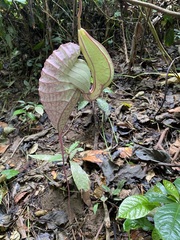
124 193
125 152
21 227
150 175
40 213
174 147
86 197
54 174
19 196
93 155
3 124
174 110
98 192
3 148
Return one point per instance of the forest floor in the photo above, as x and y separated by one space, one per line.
119 149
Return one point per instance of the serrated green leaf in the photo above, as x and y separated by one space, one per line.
171 189
177 184
10 173
104 106
135 207
167 221
80 177
45 157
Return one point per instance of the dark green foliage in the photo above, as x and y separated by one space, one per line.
159 206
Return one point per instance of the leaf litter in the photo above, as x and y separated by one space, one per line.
137 146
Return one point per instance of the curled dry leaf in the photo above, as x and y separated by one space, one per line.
93 155
125 152
174 110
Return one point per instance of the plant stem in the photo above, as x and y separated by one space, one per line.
79 14
65 175
153 6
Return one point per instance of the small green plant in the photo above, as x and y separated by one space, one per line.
28 111
157 211
80 177
4 176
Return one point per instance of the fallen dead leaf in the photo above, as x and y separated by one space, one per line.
93 155
150 175
125 152
3 148
3 124
33 149
15 235
124 193
40 213
86 197
174 110
21 227
99 190
54 174
174 148
19 196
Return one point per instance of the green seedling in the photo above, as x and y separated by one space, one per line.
28 111
161 204
80 177
4 176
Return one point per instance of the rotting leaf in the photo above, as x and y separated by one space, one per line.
108 168
54 219
130 173
125 152
152 155
21 227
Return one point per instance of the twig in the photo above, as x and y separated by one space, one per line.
168 164
99 230
79 14
159 143
74 25
124 42
176 154
96 134
107 220
153 6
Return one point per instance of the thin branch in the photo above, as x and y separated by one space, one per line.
153 6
